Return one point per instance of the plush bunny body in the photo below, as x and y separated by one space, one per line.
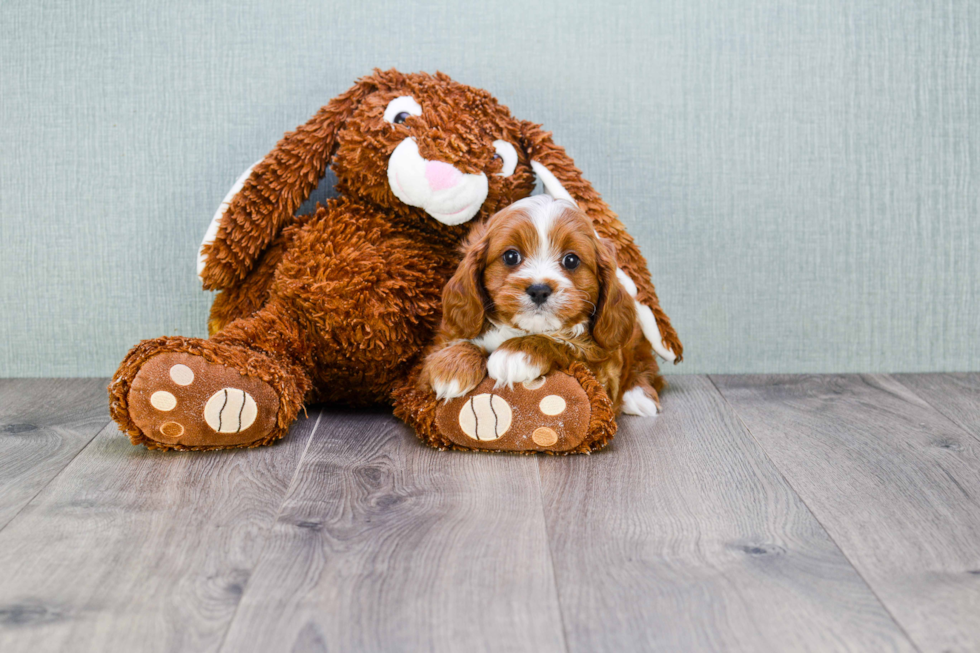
340 304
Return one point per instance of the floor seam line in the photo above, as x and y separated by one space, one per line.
810 510
955 422
61 471
272 524
551 557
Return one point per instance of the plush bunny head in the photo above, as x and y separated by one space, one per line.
414 144
427 142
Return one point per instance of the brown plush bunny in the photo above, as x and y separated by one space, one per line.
339 305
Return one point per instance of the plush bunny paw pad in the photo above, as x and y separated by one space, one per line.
182 399
547 414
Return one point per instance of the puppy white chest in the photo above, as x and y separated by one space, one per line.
496 336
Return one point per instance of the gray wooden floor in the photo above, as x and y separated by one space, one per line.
772 513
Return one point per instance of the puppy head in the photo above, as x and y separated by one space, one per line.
538 266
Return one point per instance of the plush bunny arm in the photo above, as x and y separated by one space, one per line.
564 181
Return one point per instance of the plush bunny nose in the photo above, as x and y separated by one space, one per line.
441 175
539 293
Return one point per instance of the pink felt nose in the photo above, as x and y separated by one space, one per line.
441 175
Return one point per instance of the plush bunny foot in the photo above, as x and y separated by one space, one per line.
184 393
559 413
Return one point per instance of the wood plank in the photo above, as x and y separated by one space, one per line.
957 396
44 423
894 482
682 536
386 545
130 549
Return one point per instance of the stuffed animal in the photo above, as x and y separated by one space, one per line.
339 305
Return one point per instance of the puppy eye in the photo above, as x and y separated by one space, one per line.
401 108
507 153
511 257
570 261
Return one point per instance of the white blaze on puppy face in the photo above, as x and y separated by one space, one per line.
542 267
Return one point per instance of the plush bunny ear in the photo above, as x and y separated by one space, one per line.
562 180
267 194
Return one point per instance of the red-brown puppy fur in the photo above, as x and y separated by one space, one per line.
537 289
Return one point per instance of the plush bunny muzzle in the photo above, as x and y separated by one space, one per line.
448 195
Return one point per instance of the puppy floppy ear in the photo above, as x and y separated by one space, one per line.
615 315
563 180
464 299
267 195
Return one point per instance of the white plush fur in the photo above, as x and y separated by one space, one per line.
454 205
405 103
212 231
551 183
508 154
652 333
626 281
510 367
636 402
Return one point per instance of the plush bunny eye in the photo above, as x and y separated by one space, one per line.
570 261
508 155
401 108
511 257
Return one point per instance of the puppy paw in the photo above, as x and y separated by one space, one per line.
637 402
510 367
453 371
447 388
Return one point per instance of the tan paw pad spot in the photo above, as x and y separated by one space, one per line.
485 417
552 405
534 384
163 400
181 374
230 410
172 429
544 437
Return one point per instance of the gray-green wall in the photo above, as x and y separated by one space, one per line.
803 177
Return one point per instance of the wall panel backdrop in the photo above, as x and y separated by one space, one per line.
803 179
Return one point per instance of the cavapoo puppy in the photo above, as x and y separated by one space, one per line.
538 289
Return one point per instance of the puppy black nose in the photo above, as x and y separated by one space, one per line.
539 293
